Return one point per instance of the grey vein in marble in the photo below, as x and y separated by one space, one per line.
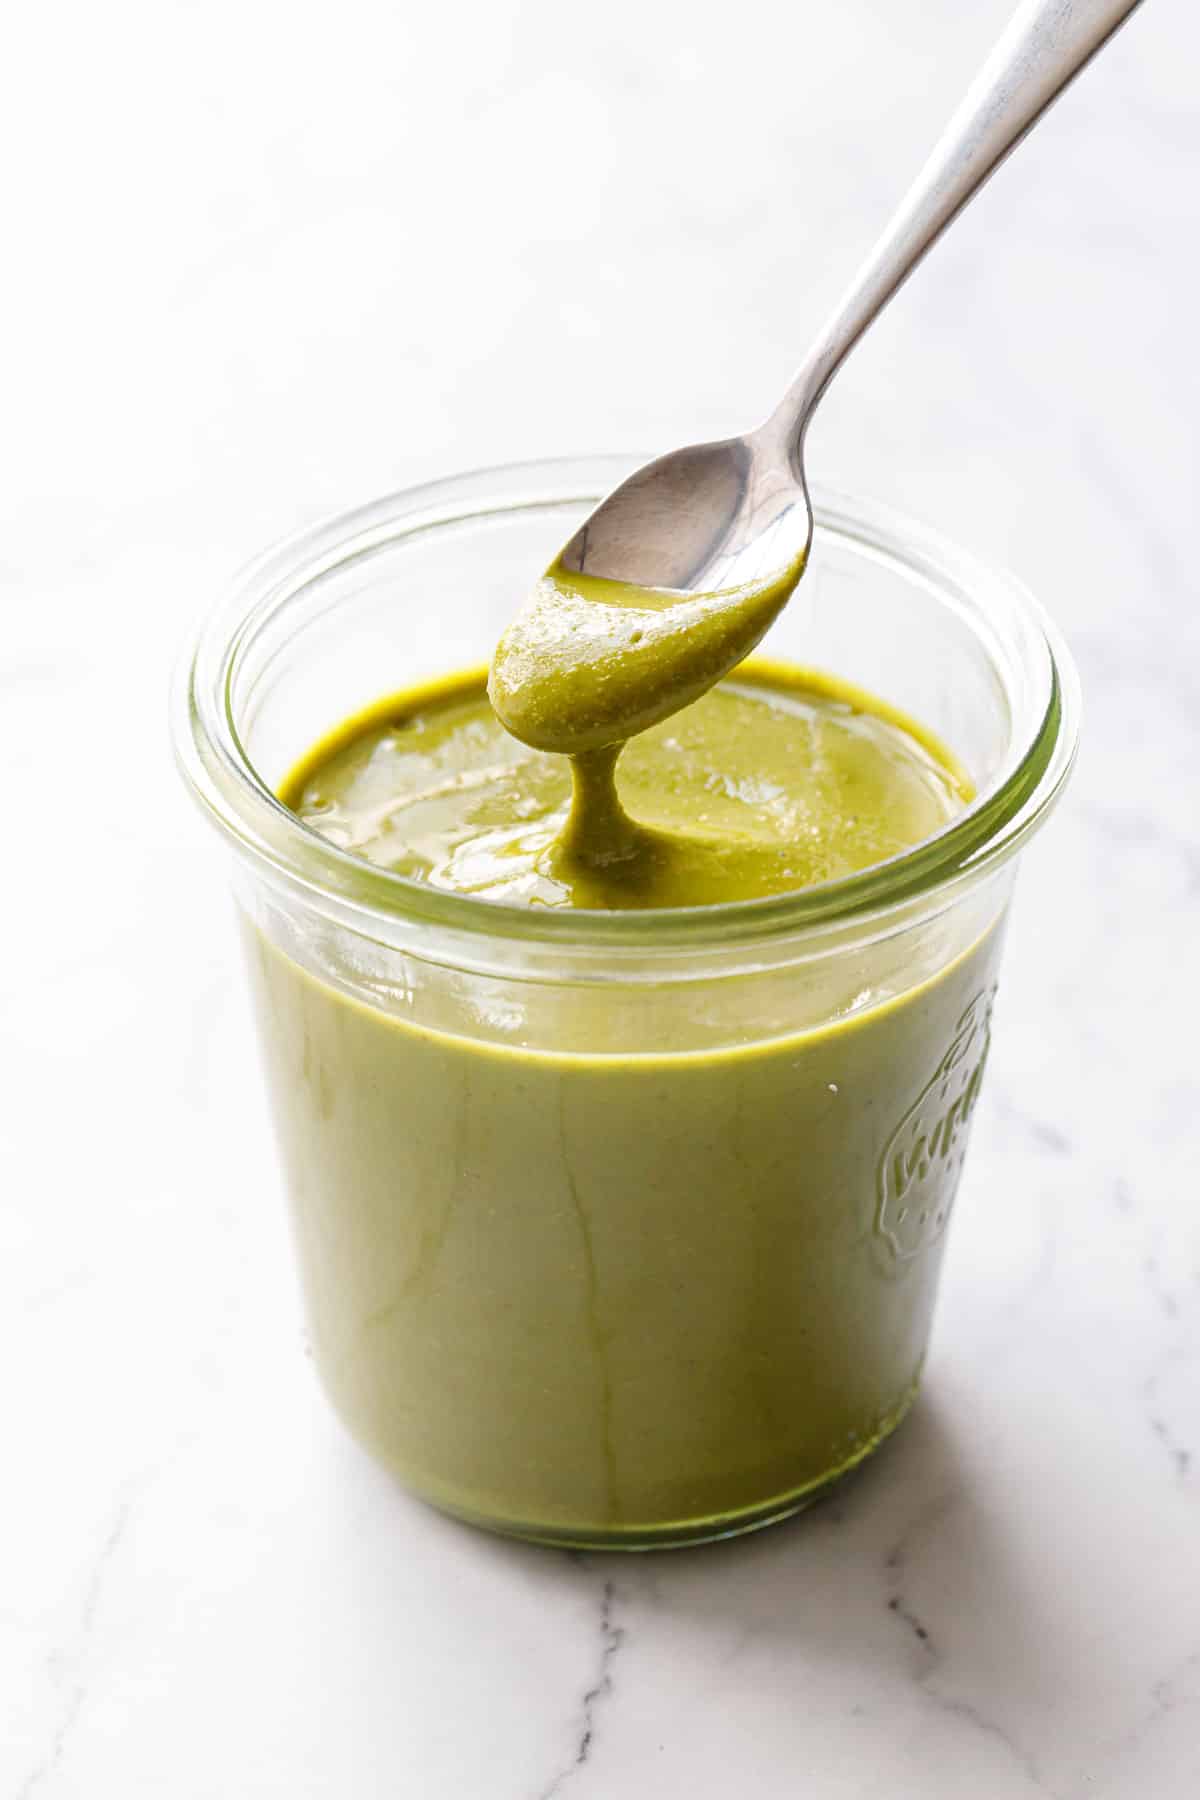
611 1637
72 1656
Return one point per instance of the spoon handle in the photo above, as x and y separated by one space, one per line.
1046 44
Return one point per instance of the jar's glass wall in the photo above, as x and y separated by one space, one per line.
607 1242
634 1292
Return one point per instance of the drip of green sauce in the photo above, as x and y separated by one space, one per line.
589 663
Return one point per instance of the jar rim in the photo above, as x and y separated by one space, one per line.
1000 611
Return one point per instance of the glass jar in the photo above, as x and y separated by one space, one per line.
617 1229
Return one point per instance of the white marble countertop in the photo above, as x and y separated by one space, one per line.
267 260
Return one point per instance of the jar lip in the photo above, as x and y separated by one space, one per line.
998 608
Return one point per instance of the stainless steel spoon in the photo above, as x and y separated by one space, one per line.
725 527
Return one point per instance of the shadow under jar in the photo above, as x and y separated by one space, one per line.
621 1229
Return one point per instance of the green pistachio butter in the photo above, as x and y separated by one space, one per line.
615 1266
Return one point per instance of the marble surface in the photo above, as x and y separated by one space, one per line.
264 261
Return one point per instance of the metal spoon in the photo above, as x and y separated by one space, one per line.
720 532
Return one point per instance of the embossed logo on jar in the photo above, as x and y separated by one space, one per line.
920 1169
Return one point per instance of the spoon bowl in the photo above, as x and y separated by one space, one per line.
701 520
663 590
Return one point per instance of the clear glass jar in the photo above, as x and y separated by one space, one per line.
618 1229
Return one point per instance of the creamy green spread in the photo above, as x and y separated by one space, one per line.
773 782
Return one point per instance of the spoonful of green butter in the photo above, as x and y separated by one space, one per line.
590 662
